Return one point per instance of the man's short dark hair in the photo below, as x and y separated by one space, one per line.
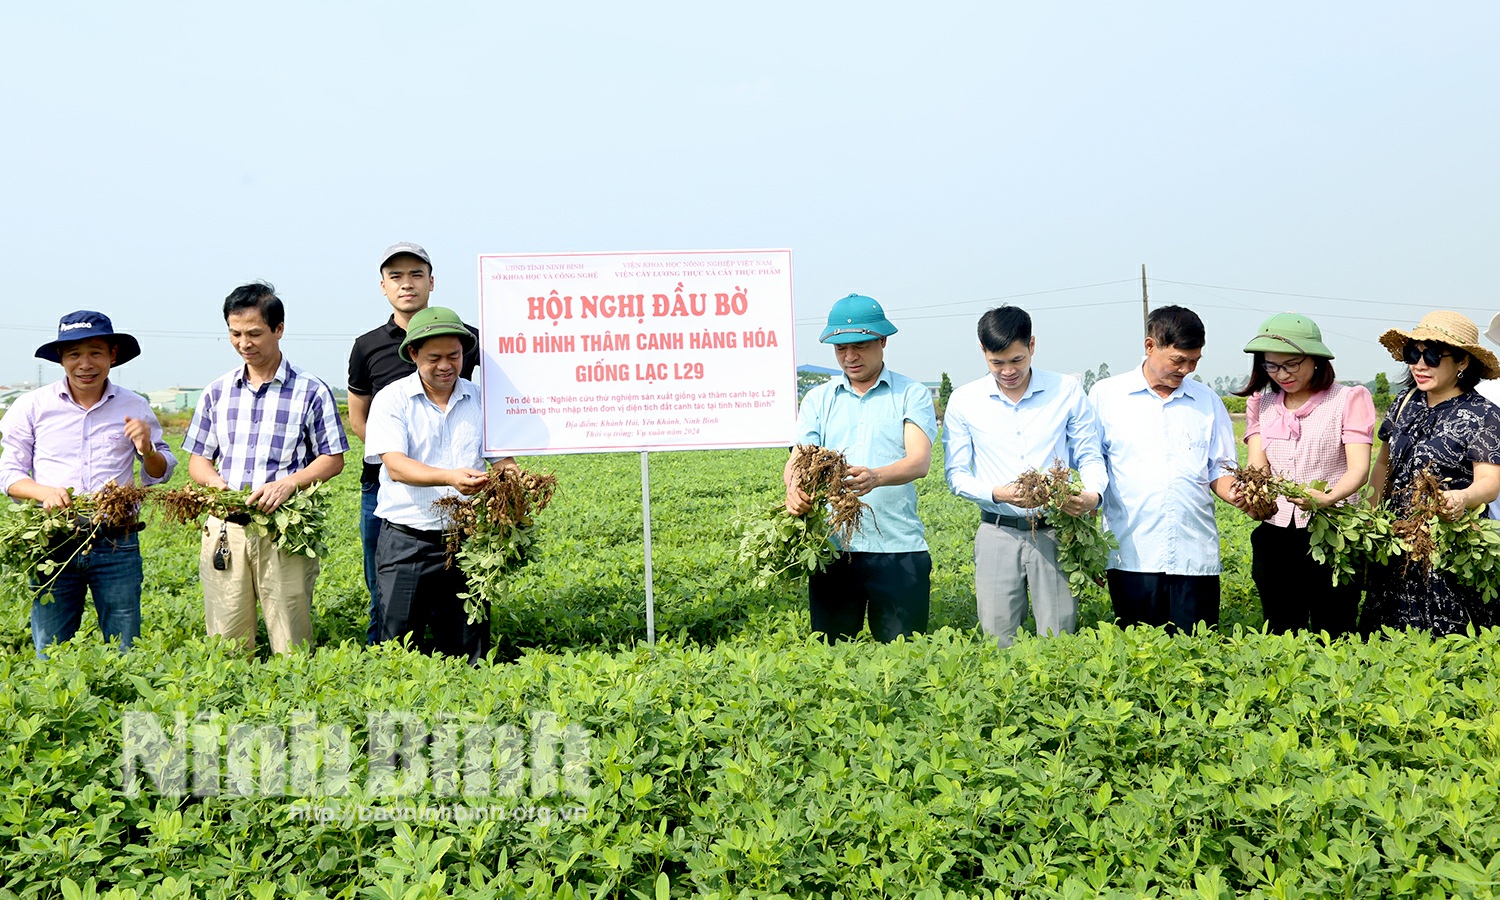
1175 326
260 296
1003 326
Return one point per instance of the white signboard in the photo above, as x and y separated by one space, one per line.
594 352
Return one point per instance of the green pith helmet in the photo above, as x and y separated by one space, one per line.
1290 333
435 321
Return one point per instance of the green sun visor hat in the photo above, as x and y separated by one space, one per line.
435 321
856 319
1290 333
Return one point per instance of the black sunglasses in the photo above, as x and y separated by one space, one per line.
1430 355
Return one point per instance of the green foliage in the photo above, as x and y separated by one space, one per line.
1469 547
29 539
37 543
1083 546
298 526
1107 763
1382 392
945 390
1234 404
806 381
490 534
777 547
1092 377
1349 536
740 758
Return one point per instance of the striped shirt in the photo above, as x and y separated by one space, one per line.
257 435
402 420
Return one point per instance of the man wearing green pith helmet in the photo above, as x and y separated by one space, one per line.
884 424
427 432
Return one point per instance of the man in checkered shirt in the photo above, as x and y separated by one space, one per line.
273 428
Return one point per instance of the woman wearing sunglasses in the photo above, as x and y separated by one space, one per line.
1439 422
1307 428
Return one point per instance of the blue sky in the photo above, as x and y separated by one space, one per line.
940 157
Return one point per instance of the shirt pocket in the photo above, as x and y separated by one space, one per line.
464 443
1187 451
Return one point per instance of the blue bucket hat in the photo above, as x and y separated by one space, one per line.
85 324
855 319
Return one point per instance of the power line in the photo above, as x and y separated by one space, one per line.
1221 287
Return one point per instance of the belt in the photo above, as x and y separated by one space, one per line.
431 537
238 518
1020 523
120 531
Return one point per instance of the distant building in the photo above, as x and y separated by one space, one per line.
174 399
9 392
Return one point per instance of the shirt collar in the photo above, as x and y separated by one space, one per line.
883 378
1144 385
1035 384
283 373
61 386
413 387
392 329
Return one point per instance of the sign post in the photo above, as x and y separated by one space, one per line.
608 352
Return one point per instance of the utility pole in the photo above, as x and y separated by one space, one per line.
1145 305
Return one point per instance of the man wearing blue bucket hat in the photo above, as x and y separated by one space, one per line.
884 424
79 434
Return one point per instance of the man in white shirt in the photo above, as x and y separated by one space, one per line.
1489 389
426 430
1015 420
1167 440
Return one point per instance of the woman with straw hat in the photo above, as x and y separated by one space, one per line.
1439 423
1306 427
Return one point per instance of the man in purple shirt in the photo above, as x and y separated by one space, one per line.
272 428
79 434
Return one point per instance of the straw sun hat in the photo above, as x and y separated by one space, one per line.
1444 327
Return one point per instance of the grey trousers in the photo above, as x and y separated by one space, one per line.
1008 561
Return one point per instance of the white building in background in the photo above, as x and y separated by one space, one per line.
174 398
9 392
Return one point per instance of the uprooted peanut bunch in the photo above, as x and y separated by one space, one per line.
508 499
1259 488
298 526
820 473
37 543
490 533
1047 490
1416 528
776 545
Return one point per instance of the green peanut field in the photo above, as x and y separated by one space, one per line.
738 757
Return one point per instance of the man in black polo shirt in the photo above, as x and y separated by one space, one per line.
406 281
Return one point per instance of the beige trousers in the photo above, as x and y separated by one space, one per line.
258 572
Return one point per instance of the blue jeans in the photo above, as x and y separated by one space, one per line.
369 539
111 572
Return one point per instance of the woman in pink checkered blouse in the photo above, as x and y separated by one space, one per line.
1306 427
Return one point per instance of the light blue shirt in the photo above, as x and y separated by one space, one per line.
990 440
870 430
1162 455
1489 389
403 420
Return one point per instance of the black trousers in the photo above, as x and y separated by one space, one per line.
1171 601
1297 592
895 589
418 594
